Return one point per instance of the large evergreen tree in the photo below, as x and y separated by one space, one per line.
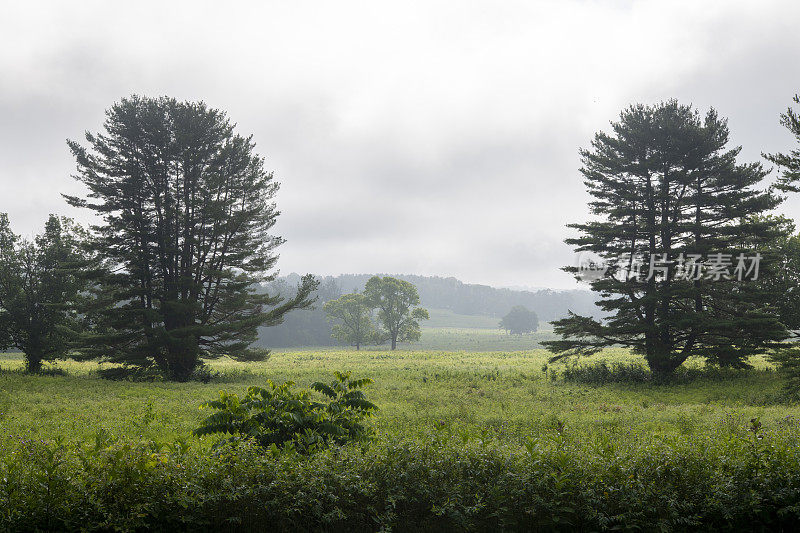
789 249
789 178
186 207
39 289
670 194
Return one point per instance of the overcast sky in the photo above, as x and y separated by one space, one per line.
434 138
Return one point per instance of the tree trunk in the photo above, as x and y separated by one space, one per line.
394 342
183 348
182 364
33 363
183 356
663 362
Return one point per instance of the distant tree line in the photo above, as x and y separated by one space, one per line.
309 327
471 299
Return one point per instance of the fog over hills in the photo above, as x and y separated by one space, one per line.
310 328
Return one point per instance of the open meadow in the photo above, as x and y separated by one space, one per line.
464 440
505 393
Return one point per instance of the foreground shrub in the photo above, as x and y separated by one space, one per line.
202 373
734 478
277 416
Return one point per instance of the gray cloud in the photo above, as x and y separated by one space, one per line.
426 137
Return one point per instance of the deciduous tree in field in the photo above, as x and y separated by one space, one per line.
520 320
39 287
352 320
396 302
665 187
187 208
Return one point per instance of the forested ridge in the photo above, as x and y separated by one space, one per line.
308 327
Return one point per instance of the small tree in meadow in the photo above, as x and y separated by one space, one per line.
39 285
396 301
352 319
520 320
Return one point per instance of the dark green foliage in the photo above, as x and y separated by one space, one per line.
279 417
744 477
788 360
663 182
520 320
39 289
396 302
187 208
604 373
788 285
789 163
785 283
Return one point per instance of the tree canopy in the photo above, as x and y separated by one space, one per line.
678 223
352 318
789 163
520 320
396 301
187 207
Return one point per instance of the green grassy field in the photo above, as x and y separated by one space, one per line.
414 389
476 340
464 441
445 318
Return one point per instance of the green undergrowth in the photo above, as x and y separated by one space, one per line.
730 478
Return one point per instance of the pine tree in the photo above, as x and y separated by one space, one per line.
788 358
187 208
789 163
669 193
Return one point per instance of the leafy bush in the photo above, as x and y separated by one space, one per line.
277 416
742 476
603 373
130 373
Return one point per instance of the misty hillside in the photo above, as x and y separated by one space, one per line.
471 299
487 304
